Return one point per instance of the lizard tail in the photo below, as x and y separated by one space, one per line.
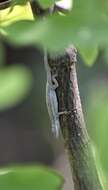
56 128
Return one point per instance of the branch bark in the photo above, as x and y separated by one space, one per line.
76 139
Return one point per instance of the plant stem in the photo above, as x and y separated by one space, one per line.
76 139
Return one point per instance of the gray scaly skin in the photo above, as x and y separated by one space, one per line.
51 98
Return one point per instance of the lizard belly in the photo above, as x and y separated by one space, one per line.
52 105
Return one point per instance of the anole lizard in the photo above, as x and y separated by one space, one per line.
51 98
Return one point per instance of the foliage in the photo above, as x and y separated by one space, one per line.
80 27
29 177
85 26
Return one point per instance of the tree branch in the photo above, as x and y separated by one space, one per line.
76 140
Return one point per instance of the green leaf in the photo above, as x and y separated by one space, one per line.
46 3
15 84
89 55
56 32
28 32
26 178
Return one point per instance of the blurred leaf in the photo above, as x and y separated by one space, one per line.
26 178
42 31
102 174
89 55
15 84
46 3
78 28
97 120
56 32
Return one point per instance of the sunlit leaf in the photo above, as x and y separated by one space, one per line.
26 178
18 13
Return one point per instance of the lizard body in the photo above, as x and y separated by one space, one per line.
51 98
